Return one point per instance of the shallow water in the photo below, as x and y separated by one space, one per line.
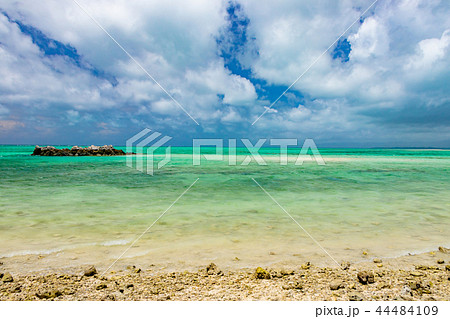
74 210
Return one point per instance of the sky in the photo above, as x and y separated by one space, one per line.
384 83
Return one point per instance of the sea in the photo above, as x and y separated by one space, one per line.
62 212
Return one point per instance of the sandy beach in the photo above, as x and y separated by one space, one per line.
414 277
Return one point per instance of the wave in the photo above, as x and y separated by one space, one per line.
115 242
32 252
120 242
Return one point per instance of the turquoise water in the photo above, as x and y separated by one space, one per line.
65 211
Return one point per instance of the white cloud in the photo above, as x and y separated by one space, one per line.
371 40
399 62
231 117
430 51
171 40
217 80
292 34
377 82
36 81
164 106
299 113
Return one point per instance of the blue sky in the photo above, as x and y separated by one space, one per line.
384 83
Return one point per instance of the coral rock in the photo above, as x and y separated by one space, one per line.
90 271
336 284
212 269
366 277
260 273
355 296
7 277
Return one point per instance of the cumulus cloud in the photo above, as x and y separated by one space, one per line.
235 89
397 69
371 40
430 51
224 61
174 42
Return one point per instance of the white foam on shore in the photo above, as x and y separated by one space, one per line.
120 242
115 242
32 252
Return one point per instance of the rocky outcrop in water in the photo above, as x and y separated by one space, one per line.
106 150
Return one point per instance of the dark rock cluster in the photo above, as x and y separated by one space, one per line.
366 277
106 150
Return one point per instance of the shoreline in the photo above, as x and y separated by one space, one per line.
424 276
67 261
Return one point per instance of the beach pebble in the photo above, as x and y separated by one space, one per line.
48 294
406 291
212 269
306 265
444 250
425 267
447 267
383 285
134 269
109 297
16 289
345 265
355 296
90 271
419 287
336 284
293 285
440 261
377 261
7 277
101 286
163 298
286 272
262 274
69 291
276 274
414 285
366 277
